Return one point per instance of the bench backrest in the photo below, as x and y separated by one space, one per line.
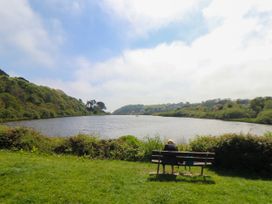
174 157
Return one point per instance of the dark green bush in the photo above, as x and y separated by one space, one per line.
128 148
233 151
24 139
82 145
123 148
265 117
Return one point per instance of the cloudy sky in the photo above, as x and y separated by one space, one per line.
140 51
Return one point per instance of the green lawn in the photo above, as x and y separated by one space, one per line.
33 178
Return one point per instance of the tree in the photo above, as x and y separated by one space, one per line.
257 104
101 105
94 106
90 105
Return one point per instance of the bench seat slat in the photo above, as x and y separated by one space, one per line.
196 159
177 153
196 164
174 157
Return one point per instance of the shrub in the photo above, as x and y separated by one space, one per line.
82 145
127 148
204 144
23 138
235 113
130 140
150 144
265 117
233 151
123 148
184 147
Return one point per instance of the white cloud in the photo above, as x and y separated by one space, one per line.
144 16
22 33
233 60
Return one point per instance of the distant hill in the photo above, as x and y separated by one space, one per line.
140 109
20 99
258 110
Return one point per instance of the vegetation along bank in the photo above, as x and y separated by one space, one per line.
233 151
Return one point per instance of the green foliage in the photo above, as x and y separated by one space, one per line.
82 145
204 143
20 99
130 109
233 151
257 104
95 107
123 148
149 144
256 110
246 152
25 139
140 109
265 117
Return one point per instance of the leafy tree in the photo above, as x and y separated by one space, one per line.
95 107
257 104
101 105
90 105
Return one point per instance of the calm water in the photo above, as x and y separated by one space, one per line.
112 126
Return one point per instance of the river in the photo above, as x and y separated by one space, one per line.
112 126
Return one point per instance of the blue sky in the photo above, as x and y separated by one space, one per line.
131 51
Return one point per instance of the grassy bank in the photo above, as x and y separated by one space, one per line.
34 178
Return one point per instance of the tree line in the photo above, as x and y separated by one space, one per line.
257 110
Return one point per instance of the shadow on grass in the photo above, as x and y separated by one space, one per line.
242 174
180 178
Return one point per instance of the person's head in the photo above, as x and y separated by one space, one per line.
170 141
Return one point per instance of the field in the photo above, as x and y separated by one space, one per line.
33 178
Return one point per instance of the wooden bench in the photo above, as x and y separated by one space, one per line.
176 158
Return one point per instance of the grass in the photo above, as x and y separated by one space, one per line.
33 178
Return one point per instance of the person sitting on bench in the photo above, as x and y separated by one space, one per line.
170 146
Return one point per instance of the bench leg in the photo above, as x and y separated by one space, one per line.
158 169
202 168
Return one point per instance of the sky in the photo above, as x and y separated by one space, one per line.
140 51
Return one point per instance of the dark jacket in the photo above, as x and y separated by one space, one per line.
170 147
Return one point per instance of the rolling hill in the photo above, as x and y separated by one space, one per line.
21 99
